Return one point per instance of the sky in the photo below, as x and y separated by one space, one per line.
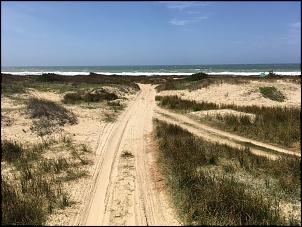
108 33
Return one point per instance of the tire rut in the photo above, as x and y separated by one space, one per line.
215 135
122 191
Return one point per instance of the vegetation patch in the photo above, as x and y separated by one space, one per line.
39 108
272 93
91 96
11 150
46 77
12 88
127 154
197 76
176 103
277 125
35 189
213 184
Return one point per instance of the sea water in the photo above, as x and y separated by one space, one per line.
149 70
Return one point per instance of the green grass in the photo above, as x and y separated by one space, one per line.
207 187
272 93
12 88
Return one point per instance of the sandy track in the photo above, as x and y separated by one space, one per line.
215 135
122 191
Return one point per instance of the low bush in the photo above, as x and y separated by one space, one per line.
39 108
127 154
71 98
95 96
272 93
174 102
11 150
197 76
11 88
46 77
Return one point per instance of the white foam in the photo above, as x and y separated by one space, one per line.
150 73
255 73
144 74
40 73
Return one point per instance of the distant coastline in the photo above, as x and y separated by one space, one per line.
159 70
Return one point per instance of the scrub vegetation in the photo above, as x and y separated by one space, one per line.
276 125
213 184
34 187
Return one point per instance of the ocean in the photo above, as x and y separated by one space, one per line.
148 70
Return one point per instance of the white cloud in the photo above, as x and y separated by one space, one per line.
185 22
295 25
294 34
193 12
295 28
183 4
178 5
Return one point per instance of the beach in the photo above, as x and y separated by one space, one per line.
120 169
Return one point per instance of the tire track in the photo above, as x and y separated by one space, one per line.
216 135
123 192
104 139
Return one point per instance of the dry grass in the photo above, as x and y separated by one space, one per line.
277 125
214 184
35 189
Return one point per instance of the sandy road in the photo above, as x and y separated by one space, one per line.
123 191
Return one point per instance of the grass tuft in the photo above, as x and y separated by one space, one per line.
272 93
39 108
127 154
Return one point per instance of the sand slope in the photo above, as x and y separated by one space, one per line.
242 94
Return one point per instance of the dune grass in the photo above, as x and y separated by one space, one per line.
96 96
277 125
213 184
35 189
42 108
272 93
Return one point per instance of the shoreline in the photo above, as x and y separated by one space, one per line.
234 74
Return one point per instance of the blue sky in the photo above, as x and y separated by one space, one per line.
83 33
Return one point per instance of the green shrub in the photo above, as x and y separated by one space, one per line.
272 93
71 98
95 96
197 76
46 77
92 97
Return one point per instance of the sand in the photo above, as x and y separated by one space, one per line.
129 189
243 94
